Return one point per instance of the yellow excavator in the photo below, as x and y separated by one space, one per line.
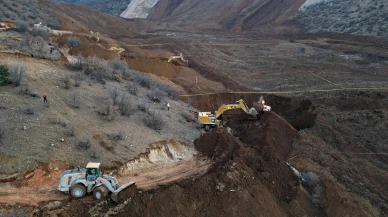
207 119
180 56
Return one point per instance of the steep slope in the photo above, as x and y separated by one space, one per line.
114 7
345 16
138 9
214 14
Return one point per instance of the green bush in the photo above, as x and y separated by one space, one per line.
4 75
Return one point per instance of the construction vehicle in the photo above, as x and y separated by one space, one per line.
95 36
180 56
170 34
207 119
79 182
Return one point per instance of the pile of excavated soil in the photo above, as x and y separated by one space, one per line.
94 50
249 178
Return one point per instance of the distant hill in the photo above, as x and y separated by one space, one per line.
361 17
114 7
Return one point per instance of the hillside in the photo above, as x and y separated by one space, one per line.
320 151
114 7
346 16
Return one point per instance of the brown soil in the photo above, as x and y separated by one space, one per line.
94 50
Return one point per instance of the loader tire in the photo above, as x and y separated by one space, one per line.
78 191
100 193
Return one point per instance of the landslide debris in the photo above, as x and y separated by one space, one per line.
249 178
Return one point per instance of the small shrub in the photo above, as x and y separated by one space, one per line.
41 32
21 26
74 99
4 75
35 95
73 41
142 106
120 67
143 80
78 64
97 68
108 109
188 117
153 121
85 144
125 106
72 130
17 72
66 82
2 130
133 89
114 95
116 136
165 90
29 111
77 79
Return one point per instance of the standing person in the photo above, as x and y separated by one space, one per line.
154 99
168 106
44 98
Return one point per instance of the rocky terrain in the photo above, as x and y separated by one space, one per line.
321 151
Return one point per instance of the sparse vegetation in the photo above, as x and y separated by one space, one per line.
4 75
116 136
85 143
187 116
29 110
73 41
125 106
331 16
72 130
121 68
17 72
97 68
105 6
160 90
25 13
143 80
66 82
114 95
153 121
2 131
77 79
74 99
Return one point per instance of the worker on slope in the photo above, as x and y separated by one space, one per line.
168 106
44 98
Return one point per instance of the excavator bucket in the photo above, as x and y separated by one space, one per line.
125 191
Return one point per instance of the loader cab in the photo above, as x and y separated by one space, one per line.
93 171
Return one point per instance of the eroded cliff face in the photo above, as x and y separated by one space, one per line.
139 8
214 14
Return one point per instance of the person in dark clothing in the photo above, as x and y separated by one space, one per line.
44 98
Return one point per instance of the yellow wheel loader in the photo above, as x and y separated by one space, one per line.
79 182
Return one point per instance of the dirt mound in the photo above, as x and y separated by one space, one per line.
62 40
94 50
252 179
221 146
299 113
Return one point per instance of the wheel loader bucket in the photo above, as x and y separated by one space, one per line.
120 193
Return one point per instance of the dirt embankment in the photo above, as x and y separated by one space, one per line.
249 178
